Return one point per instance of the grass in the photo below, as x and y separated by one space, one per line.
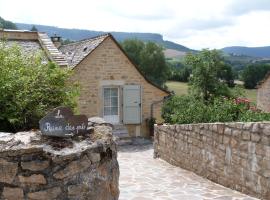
181 88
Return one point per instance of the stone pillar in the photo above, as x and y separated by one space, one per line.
35 167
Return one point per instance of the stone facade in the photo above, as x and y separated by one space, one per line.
107 65
263 95
236 155
33 167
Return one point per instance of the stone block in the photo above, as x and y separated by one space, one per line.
77 191
8 171
265 163
236 133
246 135
255 137
266 130
94 157
255 128
13 193
226 140
220 128
228 131
265 140
35 165
233 143
247 125
49 194
35 179
73 168
266 173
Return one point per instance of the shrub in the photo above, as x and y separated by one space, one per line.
29 88
187 109
184 110
253 74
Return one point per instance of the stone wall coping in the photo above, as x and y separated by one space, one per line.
33 142
215 123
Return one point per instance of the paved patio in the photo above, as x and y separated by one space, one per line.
145 178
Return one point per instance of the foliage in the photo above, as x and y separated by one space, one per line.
134 48
149 57
177 73
209 74
34 28
183 110
253 74
187 109
251 116
7 24
226 74
29 88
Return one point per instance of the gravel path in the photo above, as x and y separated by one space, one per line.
145 178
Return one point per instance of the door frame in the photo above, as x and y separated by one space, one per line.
119 101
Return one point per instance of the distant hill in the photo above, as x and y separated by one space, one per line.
79 34
7 24
261 52
172 53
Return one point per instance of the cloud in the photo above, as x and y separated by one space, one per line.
194 23
204 24
140 10
241 7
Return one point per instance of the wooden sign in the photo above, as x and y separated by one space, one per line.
61 122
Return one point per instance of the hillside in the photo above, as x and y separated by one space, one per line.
7 24
262 52
78 34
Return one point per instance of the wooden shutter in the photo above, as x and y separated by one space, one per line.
132 104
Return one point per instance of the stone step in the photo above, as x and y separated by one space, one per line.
119 127
123 142
121 136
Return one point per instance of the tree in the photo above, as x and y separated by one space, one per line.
181 74
134 47
226 74
150 59
7 24
30 88
153 63
34 28
207 67
253 74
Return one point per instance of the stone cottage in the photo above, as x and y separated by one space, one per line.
111 85
263 94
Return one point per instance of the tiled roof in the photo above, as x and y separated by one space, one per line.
33 42
77 51
28 47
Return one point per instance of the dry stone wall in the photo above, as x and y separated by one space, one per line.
236 155
33 167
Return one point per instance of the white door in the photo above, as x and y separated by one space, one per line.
111 104
132 104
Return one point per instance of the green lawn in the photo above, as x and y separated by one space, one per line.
179 88
182 88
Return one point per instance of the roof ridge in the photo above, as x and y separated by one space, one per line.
92 38
51 50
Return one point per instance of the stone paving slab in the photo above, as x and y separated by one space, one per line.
145 178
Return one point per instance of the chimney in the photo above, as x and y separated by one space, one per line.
56 41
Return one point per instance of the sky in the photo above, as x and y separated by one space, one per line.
196 24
